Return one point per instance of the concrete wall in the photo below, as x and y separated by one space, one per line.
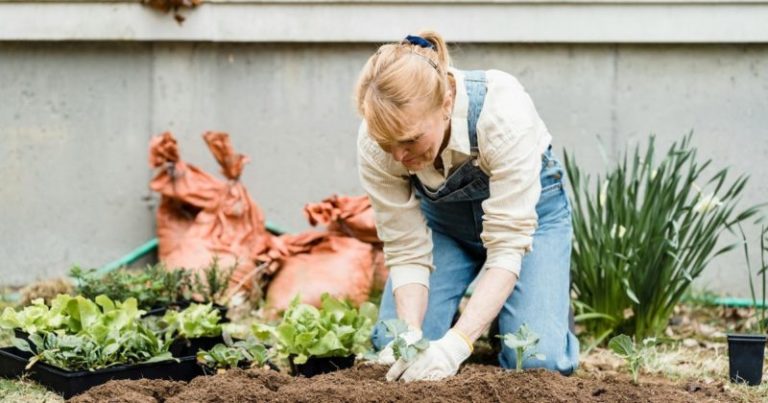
76 117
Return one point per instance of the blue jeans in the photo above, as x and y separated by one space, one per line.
541 297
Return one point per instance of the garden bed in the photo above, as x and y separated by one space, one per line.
478 383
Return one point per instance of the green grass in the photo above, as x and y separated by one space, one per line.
22 391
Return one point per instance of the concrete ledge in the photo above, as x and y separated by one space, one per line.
507 21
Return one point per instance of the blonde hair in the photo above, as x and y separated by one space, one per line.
398 76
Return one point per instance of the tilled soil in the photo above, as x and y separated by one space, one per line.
366 383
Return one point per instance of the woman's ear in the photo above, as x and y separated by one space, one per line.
448 103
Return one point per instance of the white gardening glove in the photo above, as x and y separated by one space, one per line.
387 356
440 360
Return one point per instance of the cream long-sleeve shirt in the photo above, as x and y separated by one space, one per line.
511 139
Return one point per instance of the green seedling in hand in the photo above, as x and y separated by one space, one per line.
524 342
401 348
623 346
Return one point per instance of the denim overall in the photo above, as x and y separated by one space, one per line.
455 216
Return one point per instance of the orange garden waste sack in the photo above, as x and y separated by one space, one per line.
345 260
344 215
351 216
201 217
340 266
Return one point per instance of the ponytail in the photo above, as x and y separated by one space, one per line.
398 76
441 49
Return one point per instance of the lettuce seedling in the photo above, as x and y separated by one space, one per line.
623 346
524 342
402 348
229 355
197 320
335 330
40 317
97 335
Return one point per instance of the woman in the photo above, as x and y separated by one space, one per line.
463 183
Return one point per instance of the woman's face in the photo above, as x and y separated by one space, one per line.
421 146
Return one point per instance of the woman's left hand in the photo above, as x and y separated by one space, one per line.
440 360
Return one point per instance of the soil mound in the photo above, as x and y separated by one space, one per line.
365 383
139 391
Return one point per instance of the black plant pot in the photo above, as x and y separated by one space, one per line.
321 365
746 353
70 383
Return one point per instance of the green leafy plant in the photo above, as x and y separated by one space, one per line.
758 302
524 342
335 330
401 348
644 233
197 320
40 317
213 284
155 286
623 346
98 334
233 354
152 286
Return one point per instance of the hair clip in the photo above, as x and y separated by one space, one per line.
419 41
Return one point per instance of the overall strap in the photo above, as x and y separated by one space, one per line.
476 86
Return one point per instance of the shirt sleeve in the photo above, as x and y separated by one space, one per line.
514 140
400 223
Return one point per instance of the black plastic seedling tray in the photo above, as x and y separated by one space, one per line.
20 334
189 347
71 383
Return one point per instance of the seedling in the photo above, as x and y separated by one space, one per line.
197 320
212 284
155 285
337 329
402 348
230 355
98 334
623 346
524 342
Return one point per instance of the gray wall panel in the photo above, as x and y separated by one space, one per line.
75 119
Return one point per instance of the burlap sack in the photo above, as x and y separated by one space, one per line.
201 217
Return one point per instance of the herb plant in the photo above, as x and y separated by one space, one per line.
524 342
401 348
152 287
155 286
212 285
335 330
644 233
623 346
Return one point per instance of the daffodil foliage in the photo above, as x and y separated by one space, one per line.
644 231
